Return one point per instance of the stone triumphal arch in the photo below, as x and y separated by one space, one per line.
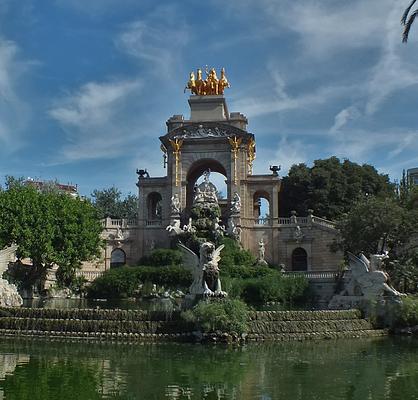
213 139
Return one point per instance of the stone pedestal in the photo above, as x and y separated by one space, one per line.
208 108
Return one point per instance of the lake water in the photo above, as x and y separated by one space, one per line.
385 368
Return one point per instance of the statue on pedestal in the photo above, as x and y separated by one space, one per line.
189 227
175 204
211 86
206 281
364 280
174 227
261 252
234 231
236 203
298 234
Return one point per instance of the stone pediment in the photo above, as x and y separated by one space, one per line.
206 130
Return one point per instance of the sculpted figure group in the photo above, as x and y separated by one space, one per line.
209 86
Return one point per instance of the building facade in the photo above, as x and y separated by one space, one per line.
412 175
212 139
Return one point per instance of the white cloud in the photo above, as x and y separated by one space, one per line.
97 119
279 100
14 112
404 142
329 26
394 71
156 39
343 117
285 153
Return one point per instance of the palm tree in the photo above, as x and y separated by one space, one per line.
407 20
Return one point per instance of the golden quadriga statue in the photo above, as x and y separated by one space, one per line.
209 86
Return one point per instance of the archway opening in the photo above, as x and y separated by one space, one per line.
299 259
154 207
117 258
218 177
261 208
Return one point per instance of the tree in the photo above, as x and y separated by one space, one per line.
109 203
408 19
372 225
49 228
330 187
377 224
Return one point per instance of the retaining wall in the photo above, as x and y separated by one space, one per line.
138 324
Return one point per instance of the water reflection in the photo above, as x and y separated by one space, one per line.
8 364
344 369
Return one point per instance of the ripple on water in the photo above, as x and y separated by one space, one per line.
382 368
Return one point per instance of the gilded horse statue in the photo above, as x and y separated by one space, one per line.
209 86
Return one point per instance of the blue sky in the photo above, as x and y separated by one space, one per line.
87 85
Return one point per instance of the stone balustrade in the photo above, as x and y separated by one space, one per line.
89 275
110 223
153 222
311 275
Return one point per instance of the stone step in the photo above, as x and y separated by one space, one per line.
272 327
76 325
305 315
318 335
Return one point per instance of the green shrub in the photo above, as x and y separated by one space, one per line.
124 282
233 255
162 257
224 315
270 287
407 314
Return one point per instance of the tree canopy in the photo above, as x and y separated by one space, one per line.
330 187
377 224
49 228
109 203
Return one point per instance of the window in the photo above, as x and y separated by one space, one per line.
117 258
299 259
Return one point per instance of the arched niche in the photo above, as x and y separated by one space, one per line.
117 258
261 207
154 206
299 259
196 170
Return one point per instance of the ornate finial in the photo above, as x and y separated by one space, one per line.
209 86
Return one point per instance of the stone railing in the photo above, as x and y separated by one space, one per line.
263 221
89 275
153 222
118 223
314 274
323 222
305 221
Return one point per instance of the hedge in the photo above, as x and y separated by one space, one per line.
125 281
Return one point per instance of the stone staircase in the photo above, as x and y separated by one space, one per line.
304 325
138 324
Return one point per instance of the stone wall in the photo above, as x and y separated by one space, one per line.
139 324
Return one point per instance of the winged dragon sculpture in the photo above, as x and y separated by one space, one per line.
206 281
367 279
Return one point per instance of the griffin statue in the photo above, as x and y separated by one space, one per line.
205 269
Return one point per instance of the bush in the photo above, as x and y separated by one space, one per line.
270 287
233 255
162 257
224 315
407 314
124 282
